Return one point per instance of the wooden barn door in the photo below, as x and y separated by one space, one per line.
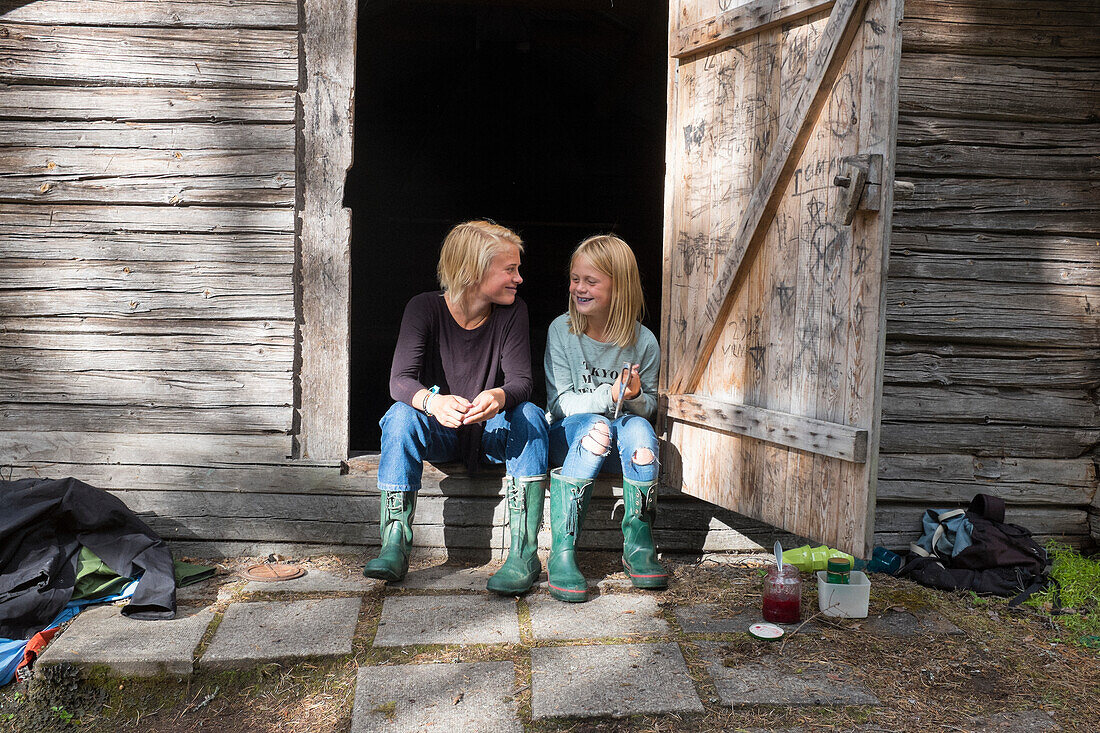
782 115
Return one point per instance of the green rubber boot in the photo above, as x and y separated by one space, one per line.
397 512
639 555
526 496
569 499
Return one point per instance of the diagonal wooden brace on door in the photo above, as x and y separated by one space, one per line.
821 74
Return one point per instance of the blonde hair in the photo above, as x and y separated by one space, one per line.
468 250
614 258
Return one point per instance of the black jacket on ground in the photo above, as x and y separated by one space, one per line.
43 523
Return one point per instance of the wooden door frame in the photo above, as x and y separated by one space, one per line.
327 32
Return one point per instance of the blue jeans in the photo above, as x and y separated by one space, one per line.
517 438
629 433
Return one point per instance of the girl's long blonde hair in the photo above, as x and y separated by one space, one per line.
614 258
468 250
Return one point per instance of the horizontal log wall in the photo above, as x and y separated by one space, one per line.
147 194
993 324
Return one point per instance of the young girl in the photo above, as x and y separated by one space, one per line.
585 350
461 376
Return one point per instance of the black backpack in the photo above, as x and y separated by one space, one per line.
1001 559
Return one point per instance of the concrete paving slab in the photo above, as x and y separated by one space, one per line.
906 623
452 619
267 631
610 680
710 618
759 683
473 697
450 577
613 615
102 636
315 581
600 584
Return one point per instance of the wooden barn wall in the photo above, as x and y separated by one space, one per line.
993 321
147 281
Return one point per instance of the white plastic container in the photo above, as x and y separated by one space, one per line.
844 601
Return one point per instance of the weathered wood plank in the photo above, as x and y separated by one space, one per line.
147 247
795 431
990 366
1027 406
273 333
948 478
171 136
171 13
63 219
51 449
1025 441
192 389
1001 205
146 56
1005 149
143 176
999 313
325 150
740 21
136 104
1027 248
249 420
139 304
1001 27
822 69
936 266
999 88
78 352
208 279
891 517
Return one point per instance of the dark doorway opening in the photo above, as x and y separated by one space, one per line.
547 117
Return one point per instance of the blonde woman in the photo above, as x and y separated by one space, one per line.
461 377
600 413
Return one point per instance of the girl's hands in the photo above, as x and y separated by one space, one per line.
633 384
484 407
449 410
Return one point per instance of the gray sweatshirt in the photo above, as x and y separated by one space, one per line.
580 371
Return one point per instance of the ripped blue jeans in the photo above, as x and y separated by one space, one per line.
628 440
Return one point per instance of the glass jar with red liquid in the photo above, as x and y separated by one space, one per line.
782 595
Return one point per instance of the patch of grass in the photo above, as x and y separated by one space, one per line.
1077 580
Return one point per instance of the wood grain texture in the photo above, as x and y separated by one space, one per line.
956 478
988 405
193 389
50 451
251 58
1025 441
990 366
324 155
1057 28
64 219
999 88
249 420
167 13
130 247
145 104
794 431
740 21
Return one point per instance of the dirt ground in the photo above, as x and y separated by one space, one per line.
1006 660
